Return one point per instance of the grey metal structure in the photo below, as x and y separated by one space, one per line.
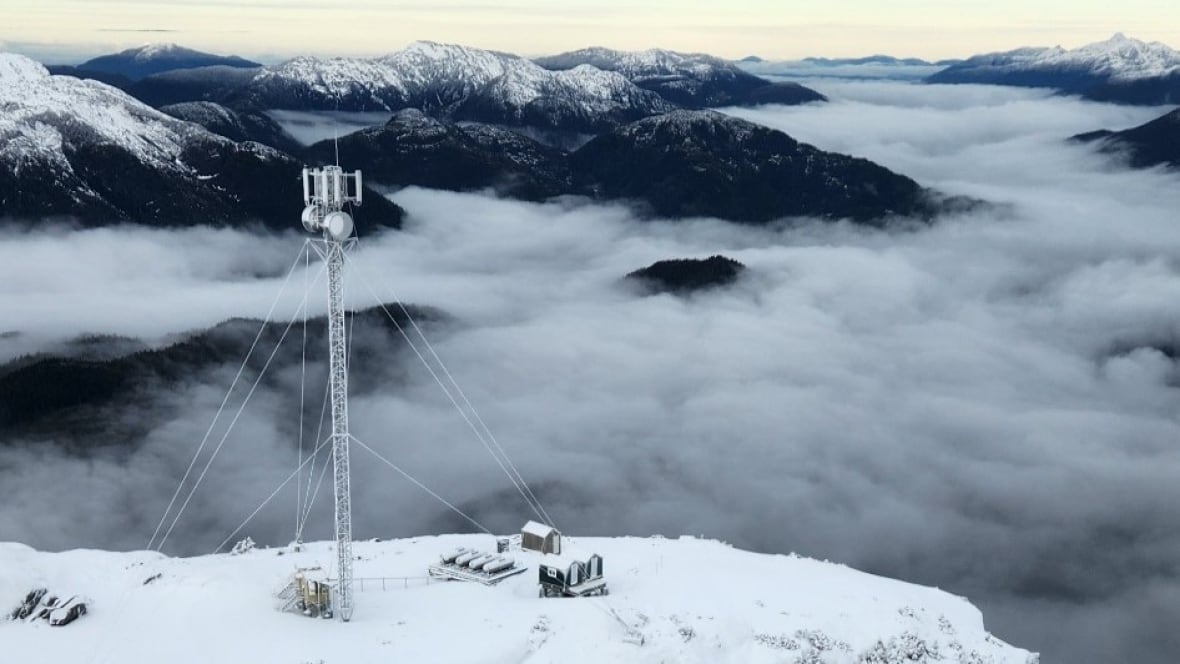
325 193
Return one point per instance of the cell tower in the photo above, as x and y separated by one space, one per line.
325 193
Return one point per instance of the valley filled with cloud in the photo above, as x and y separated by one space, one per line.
987 403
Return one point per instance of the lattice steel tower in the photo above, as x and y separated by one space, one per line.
325 193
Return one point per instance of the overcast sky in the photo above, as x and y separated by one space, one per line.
60 31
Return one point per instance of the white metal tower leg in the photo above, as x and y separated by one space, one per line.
338 346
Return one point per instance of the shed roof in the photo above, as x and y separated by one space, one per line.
566 558
537 529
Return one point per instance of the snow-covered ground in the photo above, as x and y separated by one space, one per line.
691 600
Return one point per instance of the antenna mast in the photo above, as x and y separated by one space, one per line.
325 192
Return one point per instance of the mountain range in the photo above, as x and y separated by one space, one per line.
455 83
1120 69
873 67
878 60
581 92
84 150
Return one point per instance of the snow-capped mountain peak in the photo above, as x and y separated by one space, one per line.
142 61
1118 58
424 63
333 77
1126 58
639 64
693 80
460 83
88 151
1120 69
38 104
150 51
17 68
441 51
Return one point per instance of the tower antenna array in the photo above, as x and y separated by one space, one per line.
325 192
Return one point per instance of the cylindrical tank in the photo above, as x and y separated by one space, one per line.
498 565
479 562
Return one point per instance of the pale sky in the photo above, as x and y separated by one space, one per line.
63 31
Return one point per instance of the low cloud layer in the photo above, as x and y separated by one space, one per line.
988 405
309 127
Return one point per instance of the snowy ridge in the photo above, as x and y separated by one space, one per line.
1119 58
643 64
18 70
455 82
1124 58
690 600
333 77
151 51
86 151
690 80
41 109
424 65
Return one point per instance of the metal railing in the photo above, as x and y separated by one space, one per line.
387 582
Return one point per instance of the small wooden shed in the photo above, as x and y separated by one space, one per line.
539 537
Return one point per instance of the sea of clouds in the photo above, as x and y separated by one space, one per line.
988 404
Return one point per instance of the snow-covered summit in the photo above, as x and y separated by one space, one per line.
17 69
330 78
456 82
40 107
141 61
450 61
420 68
1123 58
692 80
149 51
1120 69
85 150
1120 58
641 64
687 600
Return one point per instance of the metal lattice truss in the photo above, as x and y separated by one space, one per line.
325 193
338 347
